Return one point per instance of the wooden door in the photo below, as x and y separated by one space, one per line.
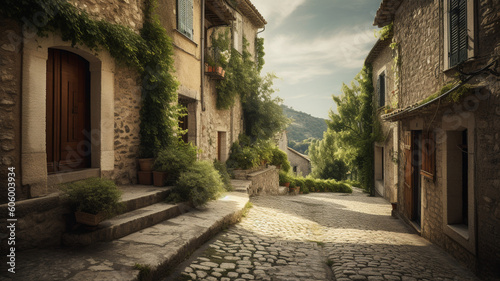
68 112
408 176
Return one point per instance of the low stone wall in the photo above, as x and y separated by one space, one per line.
40 222
265 181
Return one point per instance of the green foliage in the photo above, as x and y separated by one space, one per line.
328 158
355 127
259 50
224 175
93 196
320 185
144 271
385 32
200 183
242 156
453 96
303 129
262 113
280 158
284 177
150 53
175 159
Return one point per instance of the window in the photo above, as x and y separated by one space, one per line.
428 155
238 33
185 17
459 31
381 89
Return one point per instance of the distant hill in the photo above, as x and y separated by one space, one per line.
303 128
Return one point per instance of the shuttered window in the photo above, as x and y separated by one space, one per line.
458 32
428 155
185 17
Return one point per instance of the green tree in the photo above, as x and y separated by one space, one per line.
324 154
355 126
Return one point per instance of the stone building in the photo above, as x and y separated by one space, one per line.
300 163
68 112
447 121
385 98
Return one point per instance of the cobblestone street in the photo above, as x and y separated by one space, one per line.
321 236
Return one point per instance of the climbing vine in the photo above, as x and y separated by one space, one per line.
149 52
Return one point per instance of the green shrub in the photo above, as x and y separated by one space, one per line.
94 195
175 159
304 190
199 183
242 157
224 175
284 177
280 158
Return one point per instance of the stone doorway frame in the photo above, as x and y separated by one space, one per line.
33 112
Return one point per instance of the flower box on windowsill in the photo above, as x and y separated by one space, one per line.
215 72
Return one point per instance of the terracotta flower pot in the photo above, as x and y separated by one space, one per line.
89 219
159 178
146 164
145 177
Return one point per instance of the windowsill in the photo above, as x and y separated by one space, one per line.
455 67
460 229
187 38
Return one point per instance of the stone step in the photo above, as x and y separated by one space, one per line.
124 224
139 196
241 185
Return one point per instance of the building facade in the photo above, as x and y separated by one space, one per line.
385 97
447 117
69 112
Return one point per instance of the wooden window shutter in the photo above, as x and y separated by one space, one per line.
458 32
428 155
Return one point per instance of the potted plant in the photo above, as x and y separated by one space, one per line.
173 160
284 178
280 159
145 172
93 200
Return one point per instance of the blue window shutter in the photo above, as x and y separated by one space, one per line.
189 18
181 15
458 32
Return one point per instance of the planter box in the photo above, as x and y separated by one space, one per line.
159 178
146 164
89 219
145 177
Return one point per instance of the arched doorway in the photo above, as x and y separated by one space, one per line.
67 112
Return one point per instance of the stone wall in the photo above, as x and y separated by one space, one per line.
383 62
418 30
124 12
299 163
10 107
265 181
40 222
127 121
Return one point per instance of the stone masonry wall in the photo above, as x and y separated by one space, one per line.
10 106
265 181
383 62
418 30
127 141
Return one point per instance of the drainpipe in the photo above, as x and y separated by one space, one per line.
202 70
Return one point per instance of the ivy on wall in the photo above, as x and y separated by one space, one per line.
150 52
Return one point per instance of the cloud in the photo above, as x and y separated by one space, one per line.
276 10
297 60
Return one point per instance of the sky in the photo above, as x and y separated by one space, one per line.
313 46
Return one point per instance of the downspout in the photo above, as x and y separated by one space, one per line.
202 68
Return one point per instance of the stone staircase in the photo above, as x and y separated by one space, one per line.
144 206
